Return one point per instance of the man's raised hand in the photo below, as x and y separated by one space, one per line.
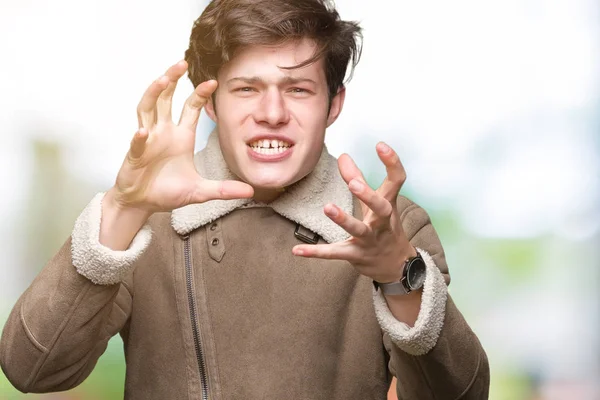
378 246
158 173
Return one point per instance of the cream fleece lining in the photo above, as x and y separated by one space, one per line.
421 338
96 262
302 202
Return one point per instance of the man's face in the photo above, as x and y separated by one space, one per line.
272 121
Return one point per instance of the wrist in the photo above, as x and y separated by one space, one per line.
111 202
412 277
405 308
398 270
119 224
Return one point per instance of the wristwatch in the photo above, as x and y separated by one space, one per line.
413 278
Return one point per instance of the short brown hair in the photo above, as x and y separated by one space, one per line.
225 26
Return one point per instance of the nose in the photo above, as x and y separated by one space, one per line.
272 109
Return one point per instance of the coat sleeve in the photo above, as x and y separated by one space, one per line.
61 324
440 357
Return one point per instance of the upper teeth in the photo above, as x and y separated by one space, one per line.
267 144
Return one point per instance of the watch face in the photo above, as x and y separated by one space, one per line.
416 274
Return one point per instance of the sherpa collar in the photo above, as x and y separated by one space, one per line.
302 202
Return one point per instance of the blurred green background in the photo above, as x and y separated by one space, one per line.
493 108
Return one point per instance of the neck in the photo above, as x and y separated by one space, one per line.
267 195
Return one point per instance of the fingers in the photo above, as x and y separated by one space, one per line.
333 251
396 175
146 110
350 224
224 190
138 143
380 206
194 103
348 169
165 99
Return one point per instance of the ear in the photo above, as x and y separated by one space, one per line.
209 107
337 103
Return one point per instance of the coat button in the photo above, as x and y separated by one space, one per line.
213 227
215 242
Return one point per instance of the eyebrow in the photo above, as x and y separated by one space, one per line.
289 80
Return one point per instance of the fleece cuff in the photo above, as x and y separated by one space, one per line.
95 261
421 338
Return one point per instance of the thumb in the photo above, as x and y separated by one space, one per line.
221 190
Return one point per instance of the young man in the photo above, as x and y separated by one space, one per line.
248 271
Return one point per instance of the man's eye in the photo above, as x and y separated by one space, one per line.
299 90
245 89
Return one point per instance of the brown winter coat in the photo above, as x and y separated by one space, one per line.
217 307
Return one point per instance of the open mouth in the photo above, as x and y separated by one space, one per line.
267 146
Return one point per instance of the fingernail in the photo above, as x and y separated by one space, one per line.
384 148
298 252
331 210
356 186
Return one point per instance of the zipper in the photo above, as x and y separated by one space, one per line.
194 316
